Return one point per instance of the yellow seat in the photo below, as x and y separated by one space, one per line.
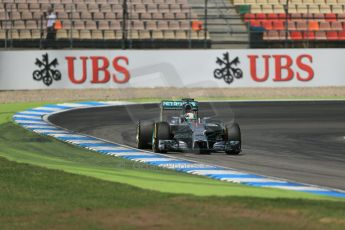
313 9
337 9
325 9
302 9
278 9
255 9
267 9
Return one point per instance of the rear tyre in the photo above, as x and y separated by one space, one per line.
234 134
144 135
161 131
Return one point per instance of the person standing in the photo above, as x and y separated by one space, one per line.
51 32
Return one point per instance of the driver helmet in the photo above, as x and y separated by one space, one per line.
190 116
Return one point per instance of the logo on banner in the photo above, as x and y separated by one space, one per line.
228 71
47 71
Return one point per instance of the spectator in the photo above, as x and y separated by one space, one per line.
51 32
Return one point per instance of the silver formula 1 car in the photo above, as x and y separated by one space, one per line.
187 132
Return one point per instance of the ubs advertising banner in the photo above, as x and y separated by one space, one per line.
177 68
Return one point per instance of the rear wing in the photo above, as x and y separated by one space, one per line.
177 105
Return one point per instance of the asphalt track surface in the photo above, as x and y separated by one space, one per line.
298 141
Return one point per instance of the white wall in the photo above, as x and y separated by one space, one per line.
177 68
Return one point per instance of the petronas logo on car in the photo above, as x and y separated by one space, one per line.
228 70
47 71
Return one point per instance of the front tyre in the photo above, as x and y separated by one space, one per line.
161 131
144 135
234 134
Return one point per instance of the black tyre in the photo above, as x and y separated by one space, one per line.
161 131
234 134
144 135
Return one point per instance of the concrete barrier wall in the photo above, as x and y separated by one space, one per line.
177 68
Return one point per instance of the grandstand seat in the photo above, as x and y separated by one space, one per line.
302 9
14 34
255 23
26 15
31 25
175 8
341 17
337 9
271 35
169 16
79 25
105 8
332 35
278 25
320 35
296 35
2 34
278 9
341 35
144 16
283 35
272 16
296 16
98 15
180 16
185 25
282 16
260 16
163 8
336 26
314 9
132 35
261 2
62 15
24 34
313 25
61 34
115 25
157 35
174 25
84 15
109 15
331 2
157 16
325 9
325 26
330 17
308 35
36 34
302 25
90 25
255 9
85 35
319 16
267 24
181 35
93 8
267 9
19 24
144 35
248 17
291 25
151 25
109 35
162 25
